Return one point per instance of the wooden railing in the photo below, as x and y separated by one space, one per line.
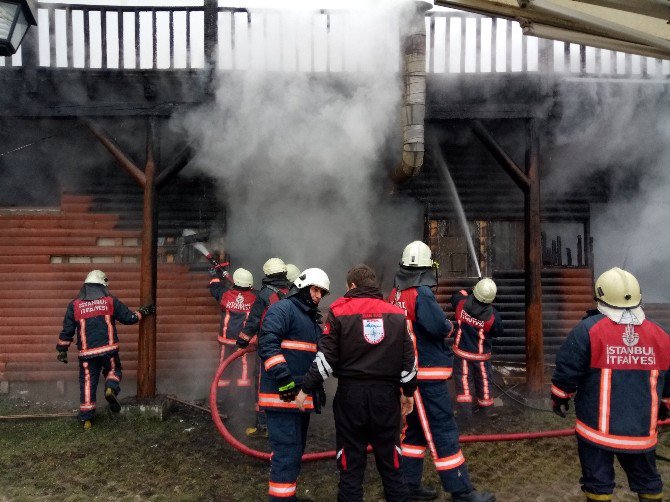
165 38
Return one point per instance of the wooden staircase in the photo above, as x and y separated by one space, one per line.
44 258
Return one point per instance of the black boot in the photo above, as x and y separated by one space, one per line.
114 404
422 492
473 496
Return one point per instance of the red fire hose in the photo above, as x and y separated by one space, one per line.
308 457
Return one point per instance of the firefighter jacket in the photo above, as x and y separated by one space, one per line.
428 327
235 306
364 338
287 346
273 290
617 373
93 317
476 324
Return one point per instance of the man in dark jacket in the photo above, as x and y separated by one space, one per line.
615 363
275 286
365 344
287 346
432 423
235 303
92 316
477 322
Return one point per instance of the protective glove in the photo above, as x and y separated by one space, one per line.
242 341
321 392
146 310
287 390
214 272
558 403
663 412
62 356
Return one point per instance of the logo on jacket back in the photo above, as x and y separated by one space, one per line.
373 330
238 304
471 320
630 337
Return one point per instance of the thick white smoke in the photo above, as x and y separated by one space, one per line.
302 158
620 132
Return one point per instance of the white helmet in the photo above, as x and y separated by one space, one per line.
618 288
313 277
485 290
292 272
96 277
274 266
242 278
416 254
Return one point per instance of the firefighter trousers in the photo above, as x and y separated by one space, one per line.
89 374
473 375
287 435
368 413
598 470
433 421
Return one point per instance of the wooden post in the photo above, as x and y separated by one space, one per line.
211 32
146 354
533 265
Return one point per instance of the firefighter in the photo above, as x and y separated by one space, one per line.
477 322
275 286
615 363
235 306
287 345
432 422
92 315
365 344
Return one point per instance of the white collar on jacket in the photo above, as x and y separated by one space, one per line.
622 316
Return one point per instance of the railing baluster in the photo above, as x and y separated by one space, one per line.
171 21
508 46
188 38
154 40
328 47
628 58
582 59
598 61
68 36
52 36
119 21
566 57
478 44
524 53
103 36
461 63
87 39
643 66
431 33
447 44
494 43
136 12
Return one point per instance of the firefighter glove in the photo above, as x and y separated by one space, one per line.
663 412
322 396
62 356
242 341
288 391
559 403
146 310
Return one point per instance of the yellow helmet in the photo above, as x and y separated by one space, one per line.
292 272
242 278
618 288
274 266
485 290
96 277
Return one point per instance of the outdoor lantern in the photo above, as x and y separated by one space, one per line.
16 16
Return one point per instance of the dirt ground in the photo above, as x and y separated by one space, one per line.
184 458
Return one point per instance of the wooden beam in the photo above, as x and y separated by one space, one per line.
533 265
183 158
121 159
499 154
146 350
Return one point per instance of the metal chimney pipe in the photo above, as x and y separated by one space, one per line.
414 95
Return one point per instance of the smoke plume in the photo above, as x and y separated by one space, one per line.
302 158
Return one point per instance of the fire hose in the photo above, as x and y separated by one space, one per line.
309 457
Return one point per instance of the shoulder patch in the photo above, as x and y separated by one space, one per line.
373 330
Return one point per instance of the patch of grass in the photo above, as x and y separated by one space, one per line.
184 458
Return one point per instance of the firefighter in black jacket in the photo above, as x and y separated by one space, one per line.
92 316
615 363
365 344
477 322
275 286
432 423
